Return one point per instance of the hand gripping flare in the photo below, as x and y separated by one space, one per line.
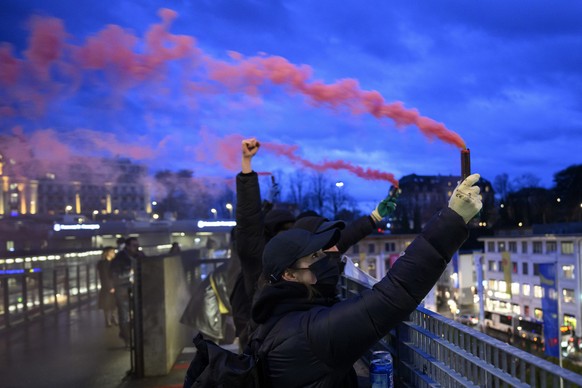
387 206
466 200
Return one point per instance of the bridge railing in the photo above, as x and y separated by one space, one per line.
27 294
430 350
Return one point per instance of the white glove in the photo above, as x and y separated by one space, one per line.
466 200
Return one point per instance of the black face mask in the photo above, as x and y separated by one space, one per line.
339 260
326 271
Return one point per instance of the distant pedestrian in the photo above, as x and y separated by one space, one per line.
122 269
106 301
175 249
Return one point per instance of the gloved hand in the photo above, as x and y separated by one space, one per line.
385 207
466 200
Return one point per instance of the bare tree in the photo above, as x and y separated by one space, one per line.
297 188
338 199
319 194
502 185
525 181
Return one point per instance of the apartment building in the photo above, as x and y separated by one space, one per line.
526 252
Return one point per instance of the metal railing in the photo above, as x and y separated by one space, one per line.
30 293
430 350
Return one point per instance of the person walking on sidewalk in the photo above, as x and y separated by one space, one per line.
106 301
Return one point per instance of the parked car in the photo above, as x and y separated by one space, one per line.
467 319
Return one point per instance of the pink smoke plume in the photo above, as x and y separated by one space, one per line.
227 150
129 61
366 173
46 150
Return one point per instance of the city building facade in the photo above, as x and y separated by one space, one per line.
89 187
518 290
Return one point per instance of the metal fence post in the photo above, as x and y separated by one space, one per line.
25 296
137 321
67 286
88 279
41 291
6 301
55 288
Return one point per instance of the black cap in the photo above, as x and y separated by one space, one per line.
318 224
287 247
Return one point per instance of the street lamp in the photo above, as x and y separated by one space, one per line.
68 208
229 208
213 211
95 212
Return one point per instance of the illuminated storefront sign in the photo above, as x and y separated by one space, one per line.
59 227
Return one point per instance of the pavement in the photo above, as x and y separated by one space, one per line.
74 349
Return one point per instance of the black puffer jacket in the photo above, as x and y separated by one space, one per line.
316 343
250 244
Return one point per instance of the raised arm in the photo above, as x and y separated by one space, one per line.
363 226
375 312
249 217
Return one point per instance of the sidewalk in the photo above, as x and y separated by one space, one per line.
73 349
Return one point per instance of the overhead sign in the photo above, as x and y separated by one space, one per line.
59 227
206 224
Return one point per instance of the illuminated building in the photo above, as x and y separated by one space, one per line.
524 253
85 186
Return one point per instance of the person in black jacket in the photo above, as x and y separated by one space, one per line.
317 339
106 300
254 229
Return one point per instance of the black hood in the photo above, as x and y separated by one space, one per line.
283 297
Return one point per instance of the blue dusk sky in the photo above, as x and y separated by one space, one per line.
379 88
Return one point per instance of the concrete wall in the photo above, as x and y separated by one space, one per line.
165 295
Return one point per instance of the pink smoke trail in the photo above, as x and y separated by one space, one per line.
227 150
290 153
248 74
114 51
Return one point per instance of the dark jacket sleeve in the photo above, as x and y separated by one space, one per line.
342 333
250 240
354 232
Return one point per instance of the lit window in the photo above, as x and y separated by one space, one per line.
568 295
567 247
491 265
538 293
515 289
493 285
526 289
568 271
502 286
